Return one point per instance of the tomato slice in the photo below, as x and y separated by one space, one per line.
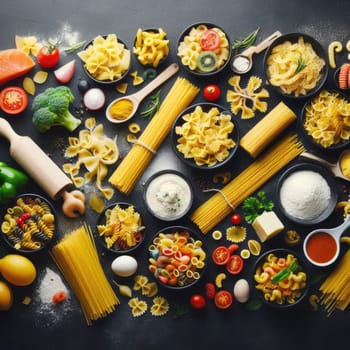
223 299
210 40
13 100
220 255
234 264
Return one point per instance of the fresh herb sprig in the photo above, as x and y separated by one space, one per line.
74 47
284 273
301 64
255 206
246 42
152 106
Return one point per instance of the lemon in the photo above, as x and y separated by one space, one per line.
6 297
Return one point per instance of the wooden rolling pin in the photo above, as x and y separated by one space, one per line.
43 170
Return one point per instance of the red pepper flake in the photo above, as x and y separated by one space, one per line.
59 297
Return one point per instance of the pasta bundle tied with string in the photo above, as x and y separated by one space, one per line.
77 258
246 183
131 168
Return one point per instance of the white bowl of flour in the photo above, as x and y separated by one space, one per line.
306 194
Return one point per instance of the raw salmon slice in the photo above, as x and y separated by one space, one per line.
13 64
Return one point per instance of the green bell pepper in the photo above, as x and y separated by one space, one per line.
12 181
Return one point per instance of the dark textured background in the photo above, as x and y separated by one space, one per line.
64 328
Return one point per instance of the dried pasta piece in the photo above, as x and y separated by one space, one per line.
334 46
29 86
217 235
138 307
28 44
40 77
247 100
141 282
160 306
134 128
122 88
236 234
219 279
150 289
137 79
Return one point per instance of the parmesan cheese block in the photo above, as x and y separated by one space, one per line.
267 225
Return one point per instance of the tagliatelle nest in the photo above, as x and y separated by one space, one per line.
241 98
236 234
160 306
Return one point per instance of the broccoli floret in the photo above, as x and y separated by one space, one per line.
51 108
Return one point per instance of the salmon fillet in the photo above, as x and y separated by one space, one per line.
13 64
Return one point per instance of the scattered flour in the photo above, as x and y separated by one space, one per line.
305 194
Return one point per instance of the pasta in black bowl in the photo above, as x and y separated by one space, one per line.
29 223
204 136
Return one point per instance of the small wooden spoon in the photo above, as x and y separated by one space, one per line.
137 97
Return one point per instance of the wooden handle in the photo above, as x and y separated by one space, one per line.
35 162
262 46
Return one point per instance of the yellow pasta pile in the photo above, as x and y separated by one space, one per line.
189 49
294 67
131 168
106 58
336 288
264 132
205 136
151 46
77 258
327 119
246 183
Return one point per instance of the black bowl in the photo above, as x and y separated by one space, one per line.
206 107
337 146
107 81
121 245
265 294
177 257
30 222
151 64
293 38
326 175
164 209
196 70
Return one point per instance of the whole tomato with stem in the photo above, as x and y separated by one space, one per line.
211 92
48 56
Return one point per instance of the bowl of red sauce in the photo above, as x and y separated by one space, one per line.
322 246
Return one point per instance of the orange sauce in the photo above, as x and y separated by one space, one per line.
321 247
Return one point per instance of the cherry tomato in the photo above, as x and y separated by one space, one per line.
197 301
48 56
220 255
210 290
236 219
210 40
211 92
13 100
223 299
234 264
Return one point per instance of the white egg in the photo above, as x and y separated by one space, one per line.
241 290
124 266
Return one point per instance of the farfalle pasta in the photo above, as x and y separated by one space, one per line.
160 306
205 136
138 307
327 119
106 58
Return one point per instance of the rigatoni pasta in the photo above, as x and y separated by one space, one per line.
131 168
246 183
77 258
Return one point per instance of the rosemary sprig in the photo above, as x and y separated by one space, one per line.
301 64
74 47
152 106
246 42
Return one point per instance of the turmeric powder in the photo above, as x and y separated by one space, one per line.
121 109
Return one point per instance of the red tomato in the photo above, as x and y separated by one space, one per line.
197 301
13 100
48 56
211 92
223 299
210 290
234 264
210 40
220 255
236 219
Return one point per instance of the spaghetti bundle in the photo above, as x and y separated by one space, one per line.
258 138
77 258
131 168
216 208
336 288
